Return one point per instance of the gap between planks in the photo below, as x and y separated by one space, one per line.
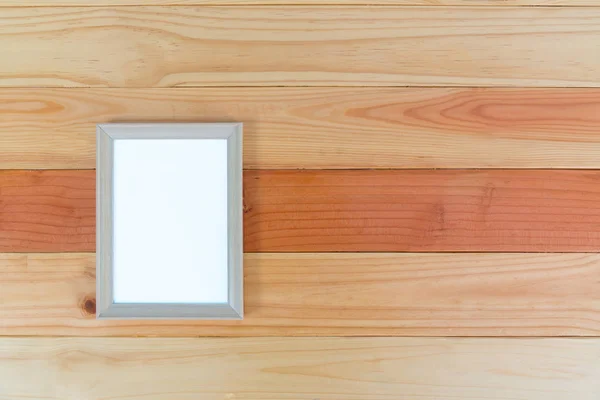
300 3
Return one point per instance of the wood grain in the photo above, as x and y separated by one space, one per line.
294 368
314 128
299 46
357 294
47 211
349 210
424 210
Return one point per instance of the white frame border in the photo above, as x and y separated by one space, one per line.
106 134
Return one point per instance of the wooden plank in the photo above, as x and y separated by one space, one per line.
349 210
358 294
423 210
299 46
47 210
333 128
299 368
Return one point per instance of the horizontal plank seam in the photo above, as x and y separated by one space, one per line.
298 4
337 170
313 86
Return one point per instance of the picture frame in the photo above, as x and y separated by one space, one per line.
119 147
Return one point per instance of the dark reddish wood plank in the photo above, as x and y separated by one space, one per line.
423 210
47 211
312 211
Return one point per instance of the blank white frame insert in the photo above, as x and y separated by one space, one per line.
169 221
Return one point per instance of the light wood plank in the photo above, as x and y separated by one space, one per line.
299 368
359 294
313 128
299 46
347 210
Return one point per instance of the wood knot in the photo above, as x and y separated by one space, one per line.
246 207
88 306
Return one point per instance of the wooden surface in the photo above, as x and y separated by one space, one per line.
333 294
294 368
314 128
491 3
368 130
423 210
350 210
299 46
47 210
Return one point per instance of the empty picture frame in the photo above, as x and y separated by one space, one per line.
169 221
